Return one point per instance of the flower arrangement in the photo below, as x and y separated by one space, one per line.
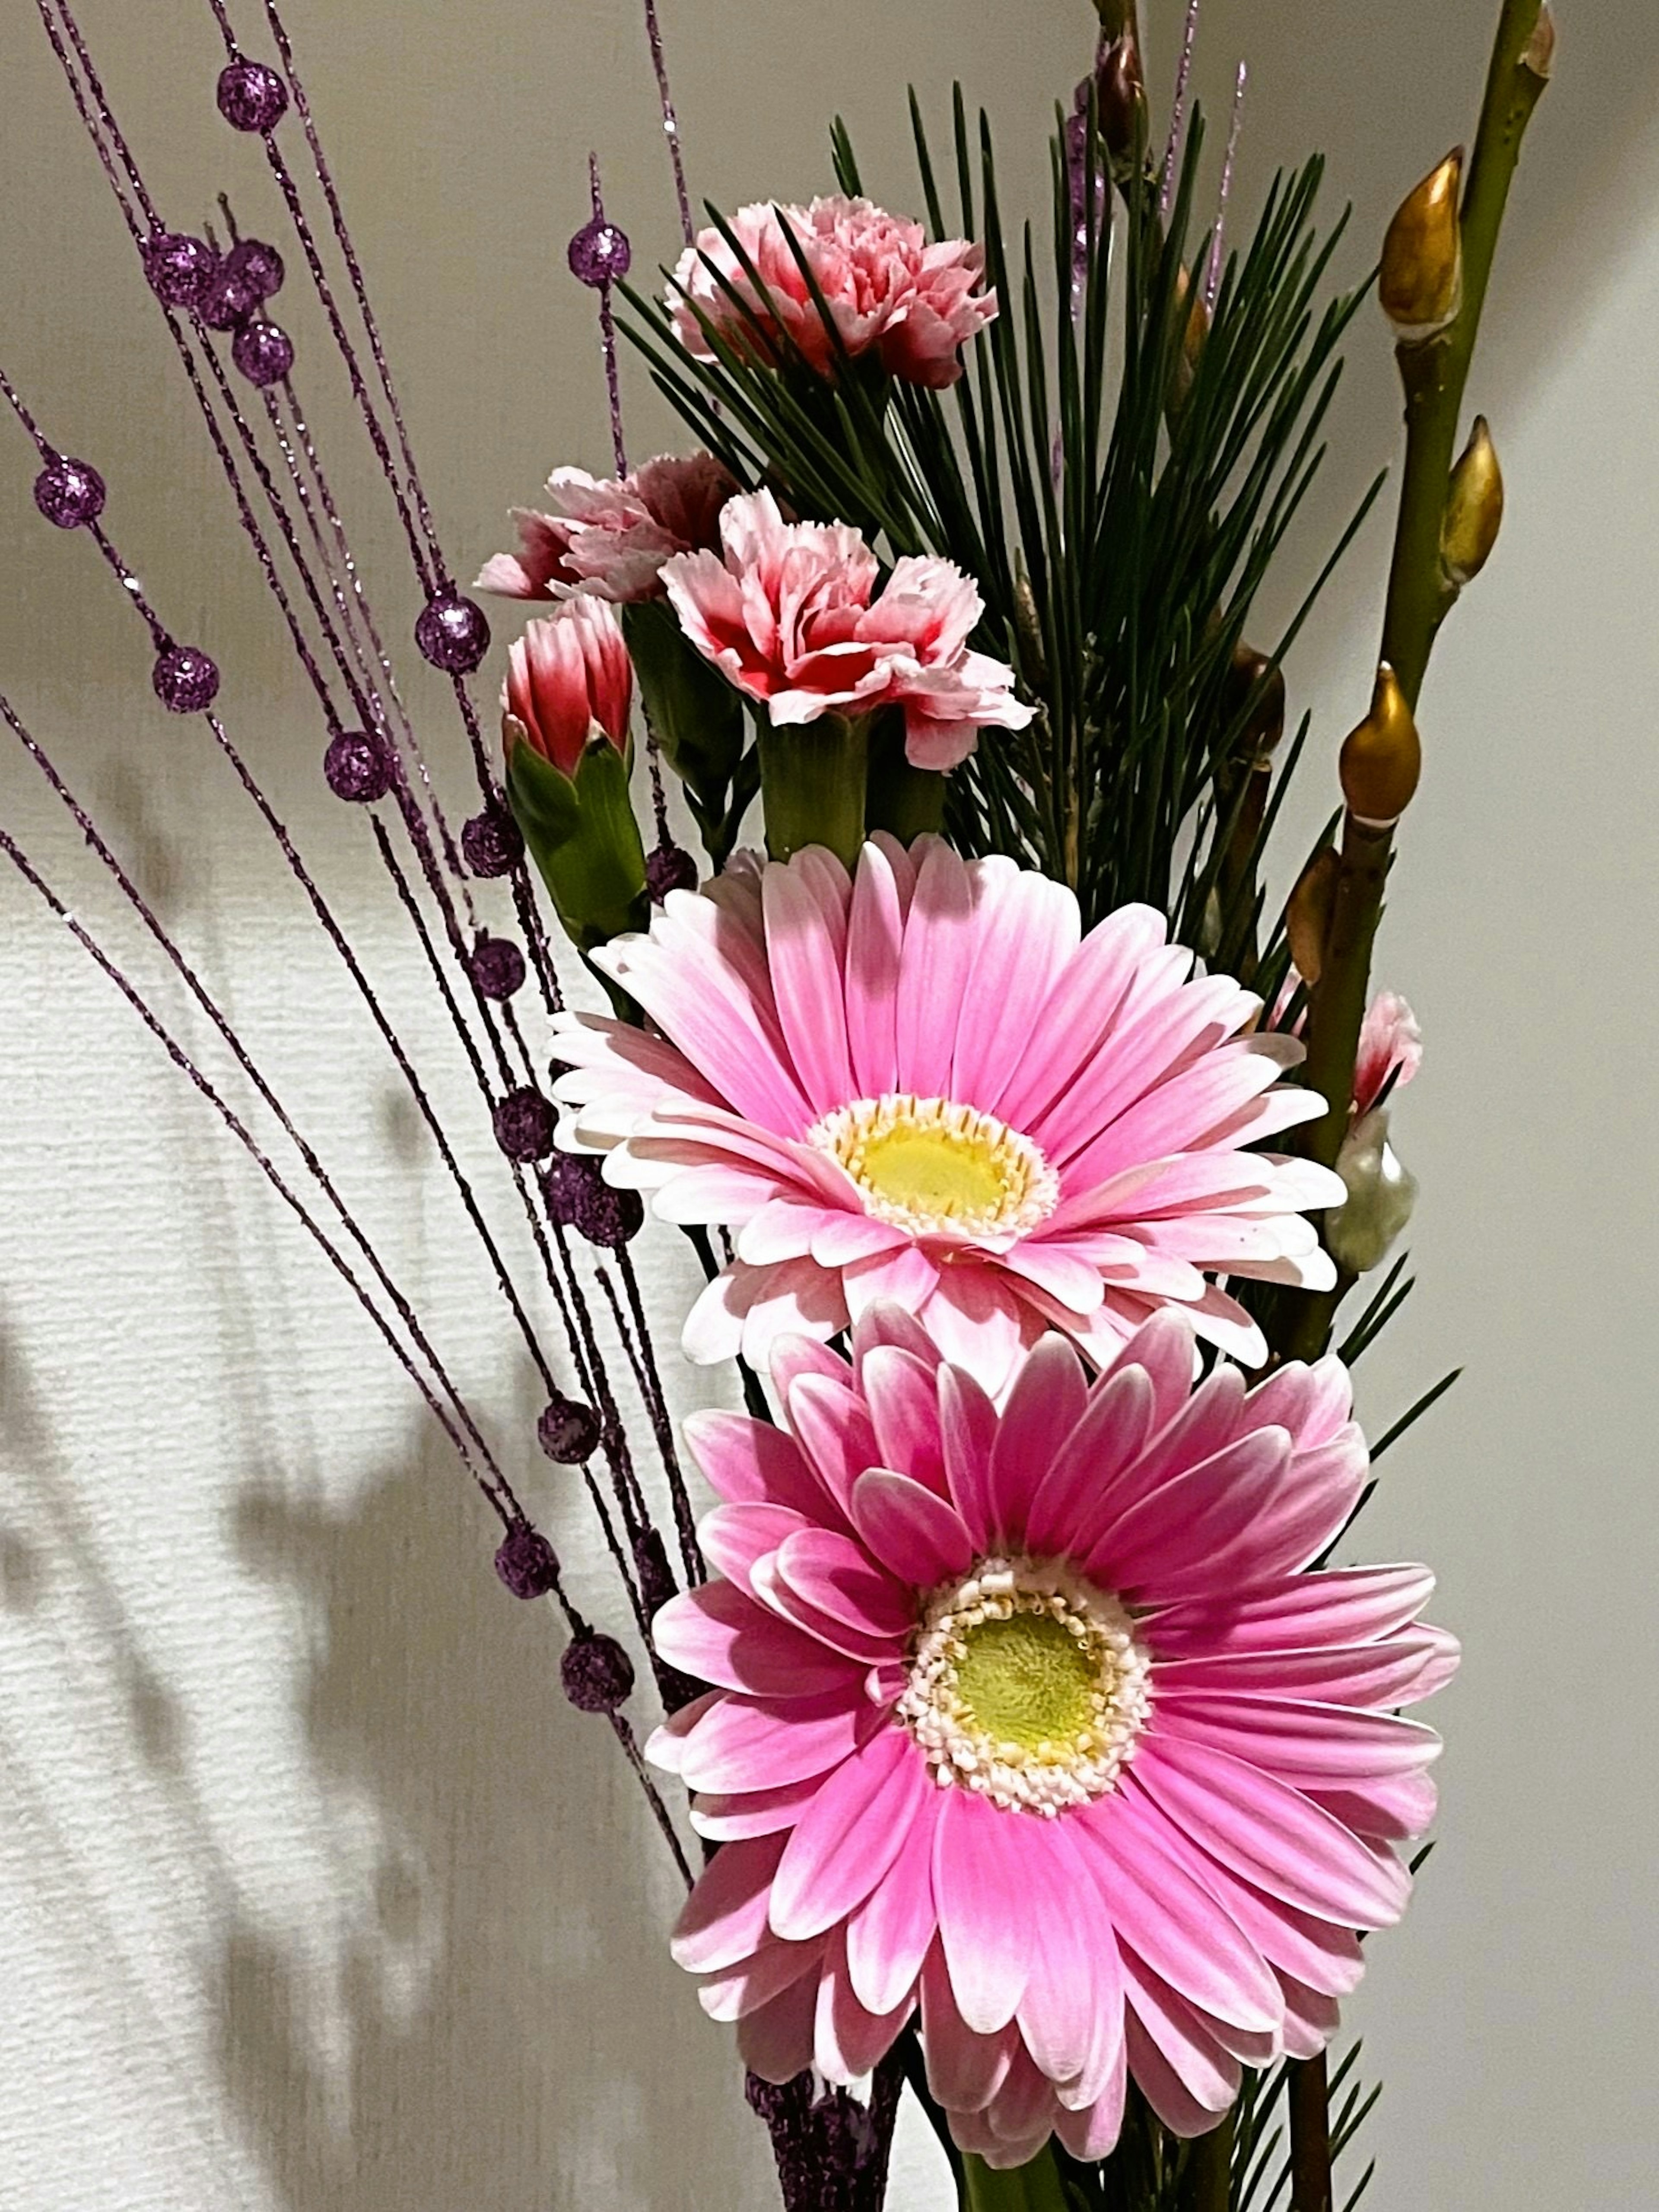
1044 1765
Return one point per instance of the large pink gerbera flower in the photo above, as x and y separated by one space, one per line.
923 1086
1035 1722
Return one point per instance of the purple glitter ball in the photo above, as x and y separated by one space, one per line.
578 1197
568 1431
228 301
358 766
596 1674
263 351
496 967
669 869
527 1562
70 493
186 680
250 96
600 254
257 265
452 633
525 1122
492 843
179 267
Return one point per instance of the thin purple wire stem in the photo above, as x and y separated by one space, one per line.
244 1136
626 1738
671 121
1212 280
608 331
198 991
656 1399
160 634
1178 113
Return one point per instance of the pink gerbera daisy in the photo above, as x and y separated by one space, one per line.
927 1085
1034 1721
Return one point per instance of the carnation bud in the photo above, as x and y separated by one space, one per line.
1420 283
1382 759
1308 913
1475 508
1382 1193
1539 55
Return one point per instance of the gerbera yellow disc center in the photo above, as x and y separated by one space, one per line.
930 1163
1027 1685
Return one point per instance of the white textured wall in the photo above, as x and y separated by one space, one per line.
314 1897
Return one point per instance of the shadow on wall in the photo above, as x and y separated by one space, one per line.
514 2022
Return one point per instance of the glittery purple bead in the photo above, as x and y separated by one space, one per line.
596 1674
525 1122
669 869
358 766
228 301
179 267
496 967
258 265
452 633
578 1197
600 254
527 1562
186 680
70 493
250 96
492 843
568 1431
263 351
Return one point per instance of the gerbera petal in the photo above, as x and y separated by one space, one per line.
1346 1605
1043 1408
732 1537
1180 2111
755 1982
719 1634
1074 1492
746 1743
875 940
848 2040
750 1462
966 2066
839 1579
1167 1540
1188 2044
834 1429
889 1935
939 947
775 2041
914 1533
983 1927
725 1918
967 1429
805 916
844 1844
1016 965
757 1813
903 1401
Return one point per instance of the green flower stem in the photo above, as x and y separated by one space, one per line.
1434 373
1033 2188
905 800
1209 2180
812 785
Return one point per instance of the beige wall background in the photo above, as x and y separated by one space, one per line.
314 1897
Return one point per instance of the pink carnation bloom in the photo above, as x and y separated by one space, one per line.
885 287
613 534
921 1086
1034 1721
788 615
569 679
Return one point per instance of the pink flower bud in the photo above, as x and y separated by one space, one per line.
569 679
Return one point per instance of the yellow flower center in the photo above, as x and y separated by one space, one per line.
1028 1686
932 1165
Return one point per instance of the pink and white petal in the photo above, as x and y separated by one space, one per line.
1222 1322
1158 2082
1346 1605
1391 1808
1378 1676
1317 1951
838 1578
833 1428
1092 2132
980 1321
966 2066
1174 1921
717 1633
911 1531
984 1931
754 1983
756 1812
665 1746
1308 1745
843 1239
749 1743
890 1934
732 1537
795 1356
799 1296
855 1643
1060 1274
905 1274
968 1431
1074 1987
1021 2112
1078 1013
1043 1407
938 948
849 2041
750 1462
1270 1833
875 940
1311 2019
903 1400
806 944
1314 1503
1203 2051
776 2041
695 1196
846 1840
1016 966
782 1229
1075 1492
725 1918
1164 1544
887 1323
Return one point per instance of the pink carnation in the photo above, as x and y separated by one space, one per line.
885 287
569 679
1034 1724
789 615
921 1085
613 534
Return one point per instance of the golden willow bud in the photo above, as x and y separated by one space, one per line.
1194 332
1420 283
1381 760
1475 508
1539 55
1308 913
1121 99
1253 675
